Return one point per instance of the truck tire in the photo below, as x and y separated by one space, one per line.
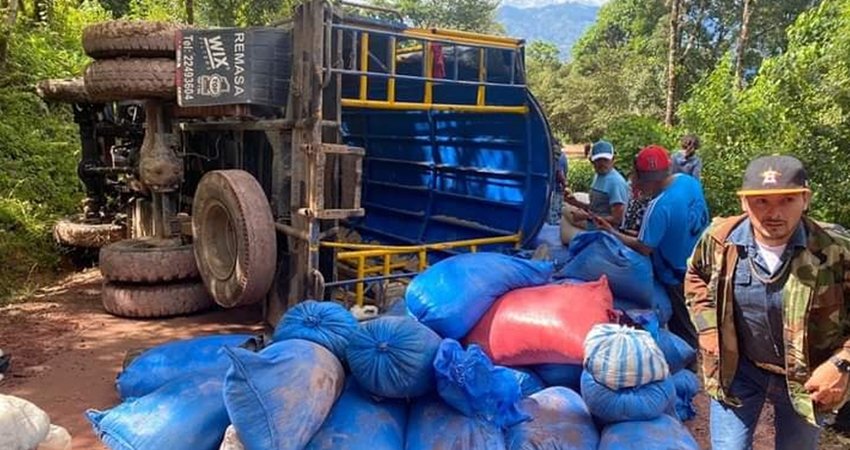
163 300
148 260
234 234
124 38
71 90
130 79
77 231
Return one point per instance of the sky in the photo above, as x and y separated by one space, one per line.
532 3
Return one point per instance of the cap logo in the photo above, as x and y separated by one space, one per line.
770 177
652 163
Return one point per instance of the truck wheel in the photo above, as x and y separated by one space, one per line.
77 231
163 300
235 242
130 79
124 38
148 260
71 90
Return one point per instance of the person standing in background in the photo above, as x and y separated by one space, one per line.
687 161
561 169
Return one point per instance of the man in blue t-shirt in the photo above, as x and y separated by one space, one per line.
609 192
674 222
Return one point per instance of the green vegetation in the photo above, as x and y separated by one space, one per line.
794 96
581 175
39 146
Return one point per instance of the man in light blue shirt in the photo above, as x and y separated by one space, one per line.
609 192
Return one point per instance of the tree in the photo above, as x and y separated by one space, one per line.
639 61
11 19
543 53
465 15
798 104
748 10
672 61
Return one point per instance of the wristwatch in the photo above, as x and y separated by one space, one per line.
842 364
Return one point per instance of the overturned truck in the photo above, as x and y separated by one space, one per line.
341 149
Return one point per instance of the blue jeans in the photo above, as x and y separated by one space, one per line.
732 428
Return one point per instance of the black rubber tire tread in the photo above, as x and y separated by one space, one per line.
131 79
161 300
125 38
71 90
75 231
148 260
255 254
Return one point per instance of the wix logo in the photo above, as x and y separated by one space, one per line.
216 54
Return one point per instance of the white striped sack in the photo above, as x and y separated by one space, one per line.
621 357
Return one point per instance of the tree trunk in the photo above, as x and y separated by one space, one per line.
11 19
749 7
672 58
190 12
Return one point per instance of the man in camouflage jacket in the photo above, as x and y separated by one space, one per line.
769 294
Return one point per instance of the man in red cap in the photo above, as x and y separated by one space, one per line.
769 292
674 222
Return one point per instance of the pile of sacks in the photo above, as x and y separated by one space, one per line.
486 352
628 389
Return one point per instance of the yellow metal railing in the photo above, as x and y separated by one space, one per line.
361 254
430 38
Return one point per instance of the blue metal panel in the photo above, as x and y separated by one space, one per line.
434 176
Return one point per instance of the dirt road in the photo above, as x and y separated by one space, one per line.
66 353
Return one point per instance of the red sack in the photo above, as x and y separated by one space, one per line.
543 325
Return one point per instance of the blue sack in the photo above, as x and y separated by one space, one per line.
434 425
662 433
596 253
643 319
566 375
662 308
678 353
186 414
278 398
358 421
398 308
328 324
393 357
468 381
529 382
662 303
560 421
160 365
687 386
452 295
639 403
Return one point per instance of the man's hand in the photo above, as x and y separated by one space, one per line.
709 342
580 215
828 385
571 199
602 224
